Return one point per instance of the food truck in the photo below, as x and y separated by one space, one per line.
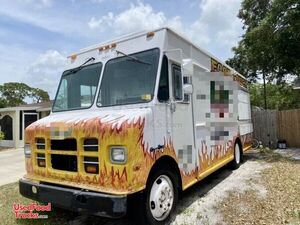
148 114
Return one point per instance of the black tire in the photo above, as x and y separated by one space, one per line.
143 214
236 162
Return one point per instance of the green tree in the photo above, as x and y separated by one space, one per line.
284 19
2 103
241 62
14 94
270 44
282 96
39 95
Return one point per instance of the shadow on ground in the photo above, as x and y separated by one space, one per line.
187 198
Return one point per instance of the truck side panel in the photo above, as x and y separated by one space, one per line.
215 105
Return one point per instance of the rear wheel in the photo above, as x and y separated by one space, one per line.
159 199
238 156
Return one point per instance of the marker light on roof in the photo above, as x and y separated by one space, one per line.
102 48
73 58
150 34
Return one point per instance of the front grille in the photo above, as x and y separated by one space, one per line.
64 162
90 144
64 156
64 145
41 160
40 143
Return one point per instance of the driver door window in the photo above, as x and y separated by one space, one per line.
177 82
163 89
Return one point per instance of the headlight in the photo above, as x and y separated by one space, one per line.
27 150
118 155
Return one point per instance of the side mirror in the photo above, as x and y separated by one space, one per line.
188 89
187 67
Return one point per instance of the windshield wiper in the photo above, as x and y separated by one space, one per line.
133 58
75 70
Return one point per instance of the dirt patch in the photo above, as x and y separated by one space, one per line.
280 205
201 204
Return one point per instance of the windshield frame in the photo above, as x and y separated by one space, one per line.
64 75
126 56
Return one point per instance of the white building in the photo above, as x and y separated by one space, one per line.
13 121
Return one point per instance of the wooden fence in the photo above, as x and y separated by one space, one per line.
271 125
289 127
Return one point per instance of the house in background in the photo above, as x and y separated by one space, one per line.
13 121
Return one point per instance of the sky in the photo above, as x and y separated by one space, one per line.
36 36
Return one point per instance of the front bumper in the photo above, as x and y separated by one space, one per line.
74 199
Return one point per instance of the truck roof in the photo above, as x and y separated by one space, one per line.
144 32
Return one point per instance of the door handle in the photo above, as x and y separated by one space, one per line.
200 124
173 107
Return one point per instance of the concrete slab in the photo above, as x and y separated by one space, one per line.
293 153
12 165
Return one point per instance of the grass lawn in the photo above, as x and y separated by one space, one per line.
9 194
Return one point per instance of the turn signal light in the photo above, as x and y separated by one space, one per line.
41 160
91 169
91 164
41 163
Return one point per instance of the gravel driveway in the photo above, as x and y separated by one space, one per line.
199 204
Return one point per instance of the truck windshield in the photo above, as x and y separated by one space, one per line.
129 79
77 88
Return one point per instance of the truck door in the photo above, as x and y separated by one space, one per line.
181 120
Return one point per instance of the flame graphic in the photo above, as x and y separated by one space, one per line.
112 178
208 159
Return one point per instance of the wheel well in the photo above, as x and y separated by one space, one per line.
167 162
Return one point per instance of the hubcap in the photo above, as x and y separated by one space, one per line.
161 197
237 153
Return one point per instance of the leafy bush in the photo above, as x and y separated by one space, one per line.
280 97
1 135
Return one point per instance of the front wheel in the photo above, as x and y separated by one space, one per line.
160 199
